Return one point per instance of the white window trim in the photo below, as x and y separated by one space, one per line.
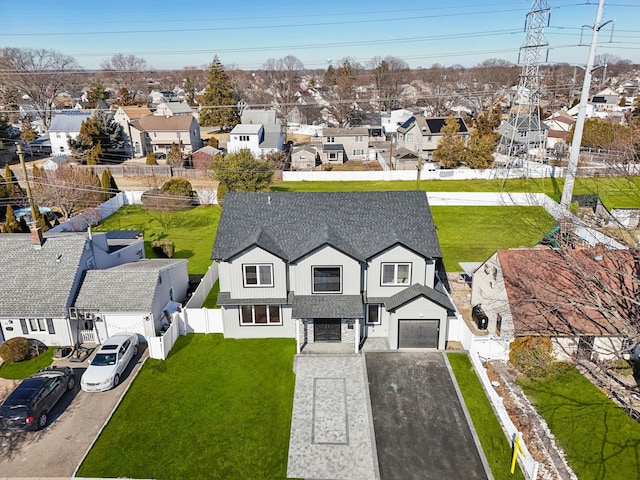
253 316
40 322
257 265
313 283
379 322
395 274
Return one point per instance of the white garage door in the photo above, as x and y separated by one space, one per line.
418 333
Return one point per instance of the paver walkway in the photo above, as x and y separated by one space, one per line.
331 428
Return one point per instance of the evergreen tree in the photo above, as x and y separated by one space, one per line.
3 188
11 224
241 172
97 91
108 184
100 129
217 94
28 134
12 181
174 156
151 159
94 155
450 152
40 220
5 131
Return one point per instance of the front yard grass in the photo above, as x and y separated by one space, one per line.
495 445
215 409
20 370
192 231
599 439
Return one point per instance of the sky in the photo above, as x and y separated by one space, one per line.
245 34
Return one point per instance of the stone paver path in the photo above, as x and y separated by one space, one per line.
331 428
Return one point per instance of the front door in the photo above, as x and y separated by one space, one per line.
327 330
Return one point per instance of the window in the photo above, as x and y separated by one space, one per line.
327 279
57 134
396 274
358 151
359 138
244 138
37 325
409 137
62 149
498 324
429 138
331 139
333 156
260 315
259 275
373 315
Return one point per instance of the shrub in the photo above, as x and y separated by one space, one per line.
178 187
163 247
151 159
533 356
16 349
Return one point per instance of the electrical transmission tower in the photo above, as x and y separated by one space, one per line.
523 135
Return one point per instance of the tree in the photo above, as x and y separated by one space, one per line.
39 73
3 188
450 152
241 172
127 72
97 92
345 87
389 76
12 181
28 134
177 186
151 159
219 101
108 184
98 134
6 134
11 224
283 82
71 189
479 150
174 156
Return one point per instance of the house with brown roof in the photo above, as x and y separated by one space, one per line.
156 134
585 301
123 116
559 123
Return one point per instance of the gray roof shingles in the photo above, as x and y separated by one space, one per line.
327 306
39 282
362 224
416 290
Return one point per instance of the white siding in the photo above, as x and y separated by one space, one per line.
113 323
420 308
233 328
421 272
63 335
301 273
232 280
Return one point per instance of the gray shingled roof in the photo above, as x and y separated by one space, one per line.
224 298
293 224
416 290
38 283
69 121
129 287
327 306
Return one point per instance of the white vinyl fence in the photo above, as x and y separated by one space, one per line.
92 216
159 347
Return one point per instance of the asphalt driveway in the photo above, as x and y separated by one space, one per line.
74 423
420 425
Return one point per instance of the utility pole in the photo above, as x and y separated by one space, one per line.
574 153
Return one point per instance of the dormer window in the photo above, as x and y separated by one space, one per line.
396 274
258 275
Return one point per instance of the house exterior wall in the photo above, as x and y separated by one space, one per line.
60 142
234 144
112 323
420 308
104 259
347 330
421 272
63 336
234 329
301 274
381 330
232 276
303 160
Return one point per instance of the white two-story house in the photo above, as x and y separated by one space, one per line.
331 267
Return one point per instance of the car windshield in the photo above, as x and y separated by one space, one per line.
103 359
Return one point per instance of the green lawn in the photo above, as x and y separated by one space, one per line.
20 370
472 234
494 443
600 441
215 409
192 231
212 299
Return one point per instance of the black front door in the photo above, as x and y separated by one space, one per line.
326 330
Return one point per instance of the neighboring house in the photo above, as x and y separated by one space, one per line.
203 158
260 139
392 120
123 116
42 276
525 131
41 145
157 134
580 299
559 123
173 107
331 267
53 163
605 100
64 126
342 144
304 157
137 297
422 135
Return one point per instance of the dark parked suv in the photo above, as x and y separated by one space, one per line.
27 407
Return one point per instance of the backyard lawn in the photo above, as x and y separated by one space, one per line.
495 445
216 409
600 441
192 231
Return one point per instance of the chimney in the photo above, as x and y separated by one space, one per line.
599 254
36 237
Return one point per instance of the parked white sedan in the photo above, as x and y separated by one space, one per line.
111 359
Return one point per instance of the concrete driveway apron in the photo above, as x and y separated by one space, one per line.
331 427
422 430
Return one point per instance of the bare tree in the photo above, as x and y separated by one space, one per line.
283 80
38 73
127 73
389 76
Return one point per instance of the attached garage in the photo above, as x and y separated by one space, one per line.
418 333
